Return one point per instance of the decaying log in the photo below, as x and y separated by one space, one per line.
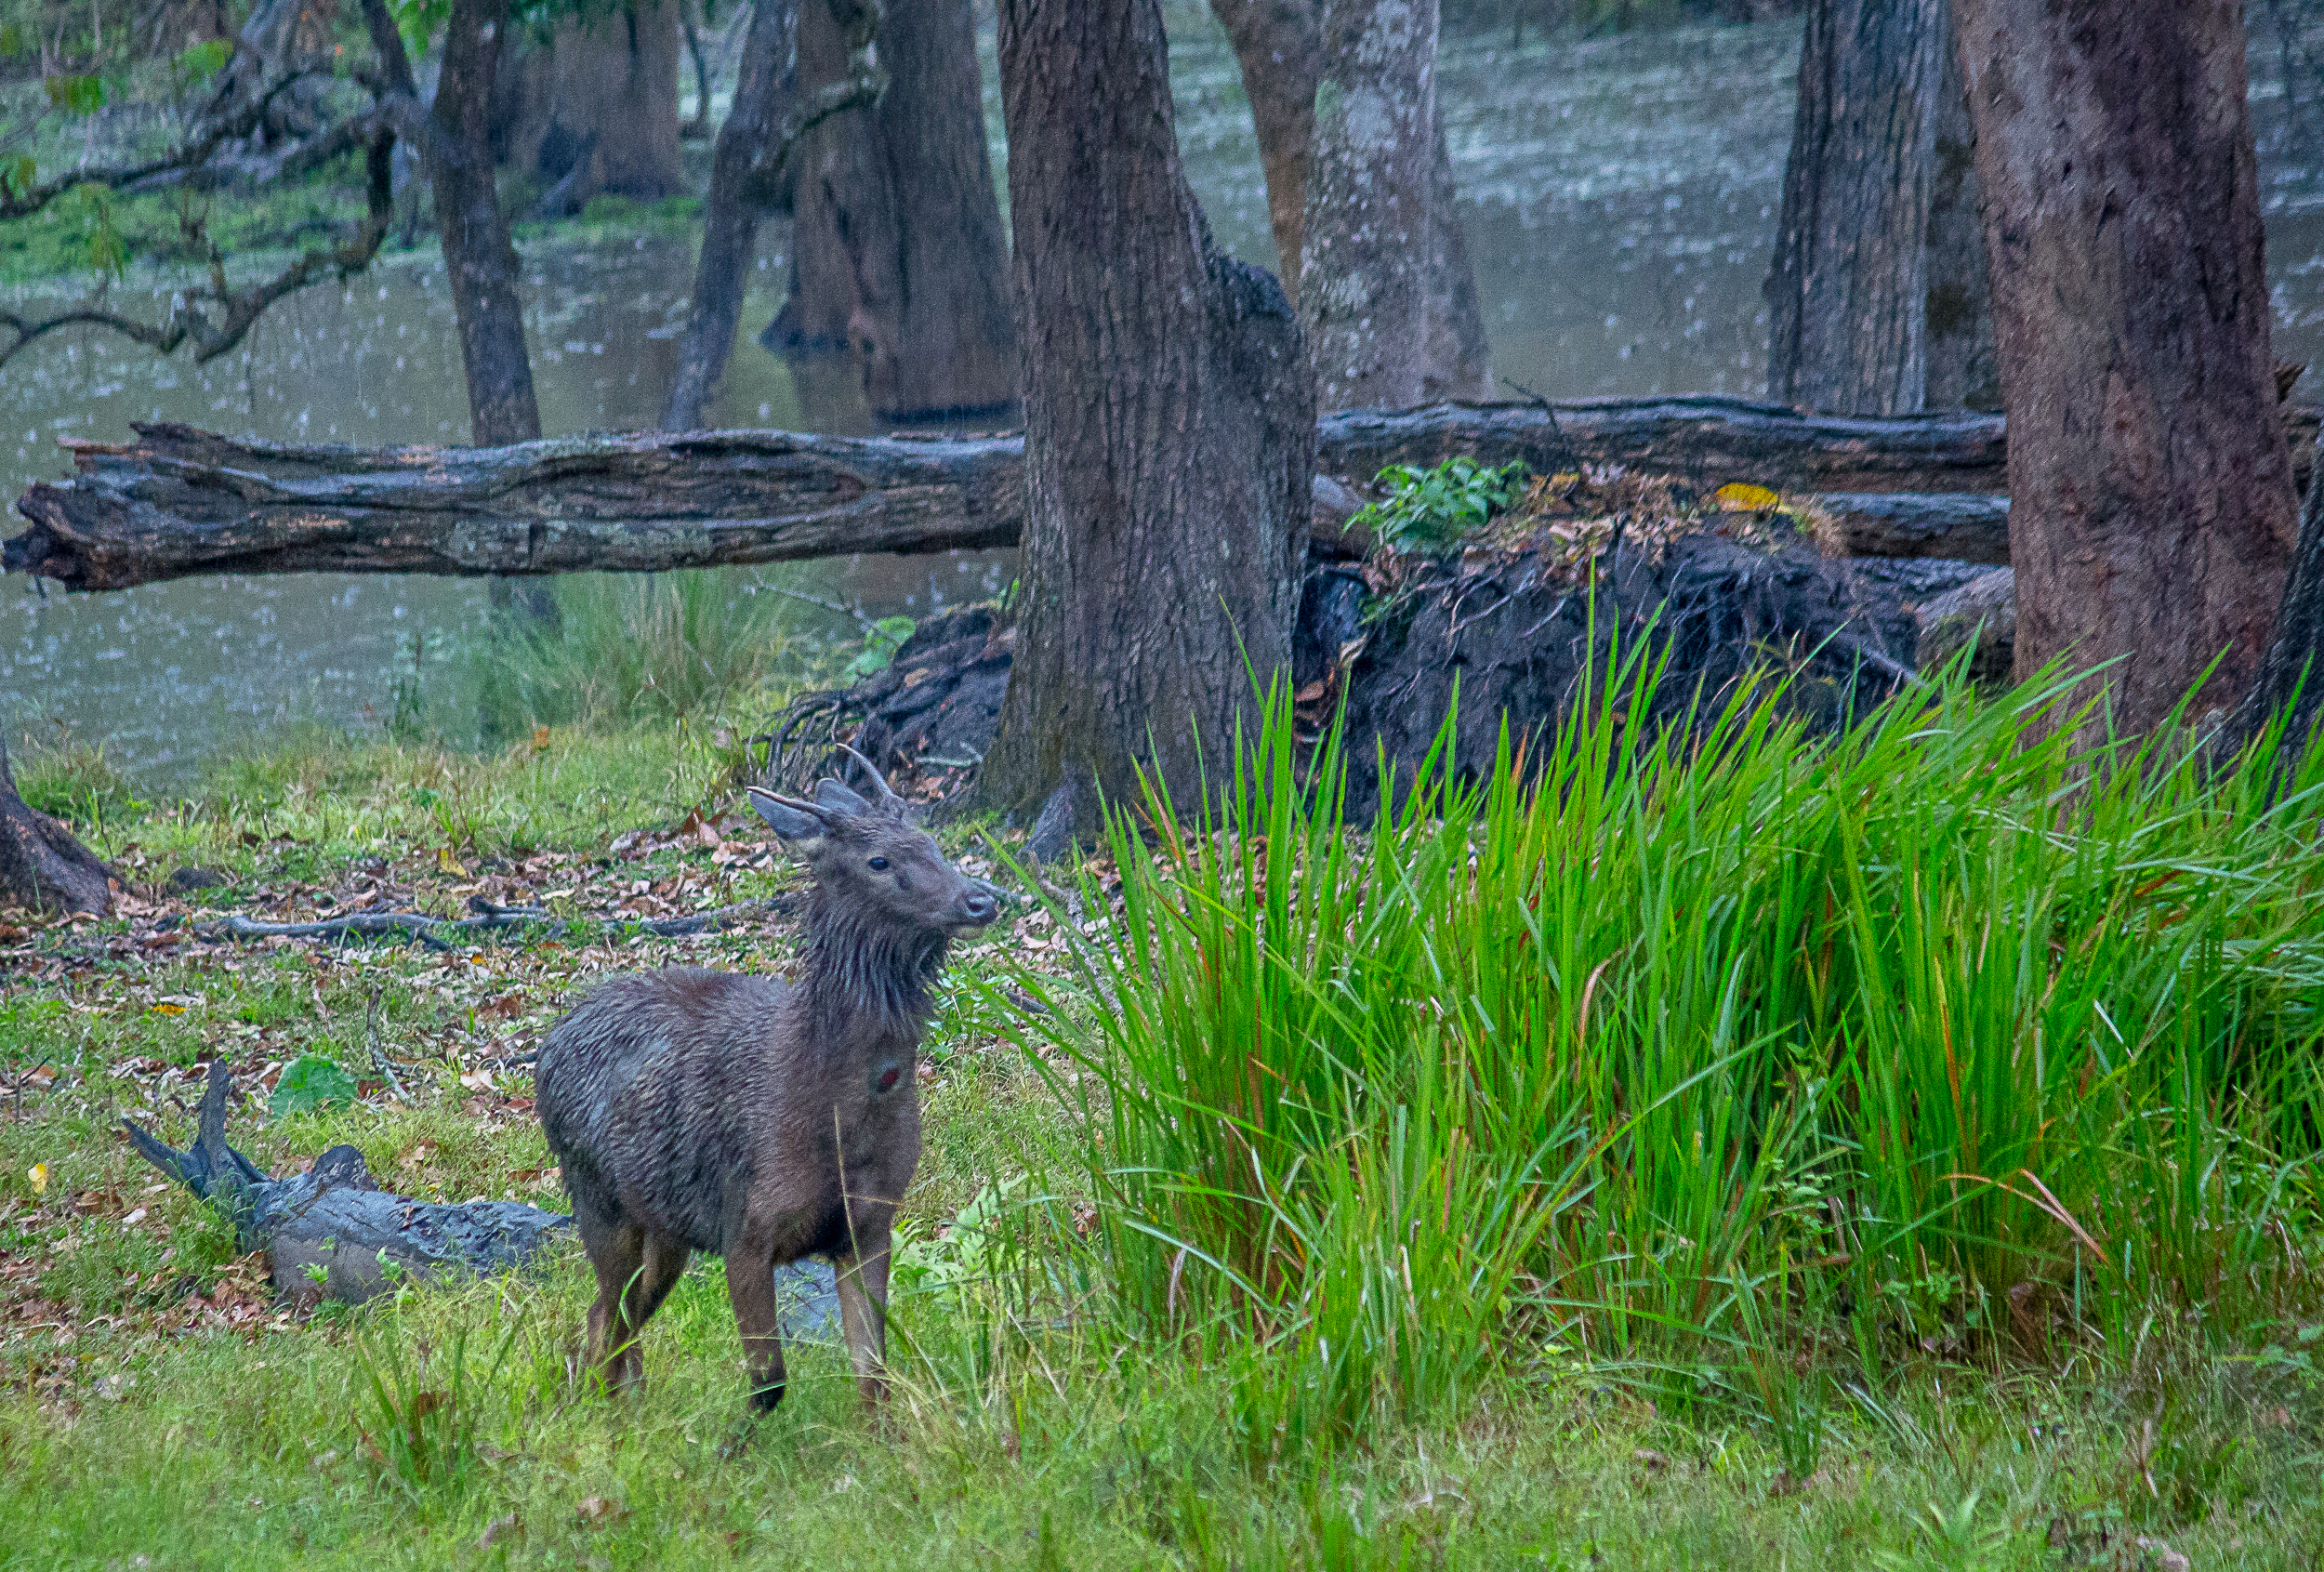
361 1241
178 502
41 864
1961 528
335 1219
1981 612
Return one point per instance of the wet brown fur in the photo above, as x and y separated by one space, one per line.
757 1119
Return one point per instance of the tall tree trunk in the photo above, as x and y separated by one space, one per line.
1280 50
1848 292
1281 55
699 127
41 864
1364 260
1958 319
763 89
1170 427
478 257
2151 508
897 250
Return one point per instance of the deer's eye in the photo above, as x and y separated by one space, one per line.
879 864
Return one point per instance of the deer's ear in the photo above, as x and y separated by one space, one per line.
792 821
838 797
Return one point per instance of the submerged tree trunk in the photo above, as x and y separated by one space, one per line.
1848 292
41 864
1169 428
611 109
898 254
1959 316
2152 513
731 215
479 259
1364 263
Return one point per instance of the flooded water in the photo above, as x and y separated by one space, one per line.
1620 196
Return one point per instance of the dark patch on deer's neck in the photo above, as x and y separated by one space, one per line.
861 971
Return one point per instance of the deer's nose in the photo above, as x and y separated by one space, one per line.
978 905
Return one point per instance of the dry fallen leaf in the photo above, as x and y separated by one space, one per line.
597 1509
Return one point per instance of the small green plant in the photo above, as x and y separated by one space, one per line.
1438 507
426 1433
310 1081
881 642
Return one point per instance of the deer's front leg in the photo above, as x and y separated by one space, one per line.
750 1285
863 1282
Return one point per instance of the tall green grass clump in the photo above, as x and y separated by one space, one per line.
1724 1054
622 648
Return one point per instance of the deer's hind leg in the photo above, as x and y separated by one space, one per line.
636 1271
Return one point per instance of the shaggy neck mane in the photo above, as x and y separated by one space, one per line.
858 966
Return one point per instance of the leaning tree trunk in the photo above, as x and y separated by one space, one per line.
731 212
1848 292
2152 518
896 241
1364 262
1170 427
478 257
1958 320
41 864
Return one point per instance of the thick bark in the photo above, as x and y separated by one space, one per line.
1281 55
479 259
597 110
1364 263
41 864
1279 49
2152 511
1848 292
1958 317
731 212
1170 427
898 254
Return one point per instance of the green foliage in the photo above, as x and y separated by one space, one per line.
70 779
309 1082
199 62
82 95
623 648
1682 1044
1437 506
423 1434
881 642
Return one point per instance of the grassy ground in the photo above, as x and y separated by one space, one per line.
1071 1397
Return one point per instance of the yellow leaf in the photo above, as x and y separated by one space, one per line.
165 1008
450 864
38 1174
1737 497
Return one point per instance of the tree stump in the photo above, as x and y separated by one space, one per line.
41 864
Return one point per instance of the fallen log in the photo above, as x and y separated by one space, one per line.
332 1233
179 502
